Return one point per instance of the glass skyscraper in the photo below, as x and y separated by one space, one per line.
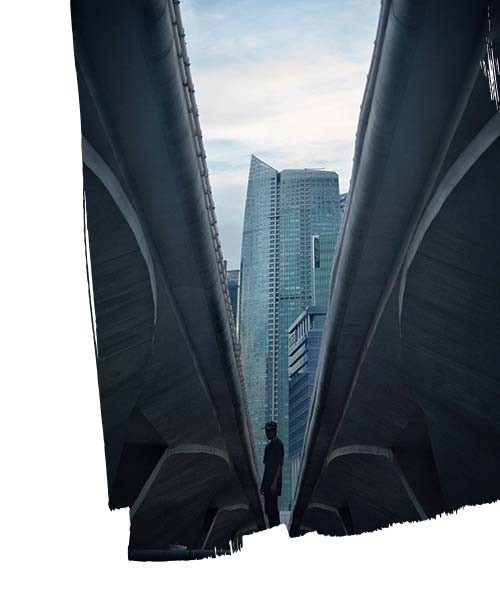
304 342
258 298
291 223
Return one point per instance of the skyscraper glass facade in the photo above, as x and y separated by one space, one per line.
286 214
304 342
309 206
258 301
323 247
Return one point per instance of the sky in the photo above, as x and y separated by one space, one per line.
281 79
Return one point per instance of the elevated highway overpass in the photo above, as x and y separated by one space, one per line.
405 420
178 445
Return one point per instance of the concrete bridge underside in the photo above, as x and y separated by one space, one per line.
178 446
405 421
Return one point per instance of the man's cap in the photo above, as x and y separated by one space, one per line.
271 426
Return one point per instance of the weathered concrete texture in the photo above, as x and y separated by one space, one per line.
405 420
233 516
178 444
327 520
176 498
451 334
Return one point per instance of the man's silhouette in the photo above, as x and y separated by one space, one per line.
271 481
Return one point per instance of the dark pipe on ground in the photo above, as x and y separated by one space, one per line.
158 555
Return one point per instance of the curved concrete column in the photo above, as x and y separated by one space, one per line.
93 160
467 159
123 306
182 449
387 455
333 512
176 501
227 518
303 530
448 304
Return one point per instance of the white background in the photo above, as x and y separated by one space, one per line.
57 537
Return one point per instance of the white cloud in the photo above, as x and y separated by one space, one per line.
280 82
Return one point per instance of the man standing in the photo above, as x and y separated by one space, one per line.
271 481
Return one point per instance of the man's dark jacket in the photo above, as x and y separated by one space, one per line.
273 457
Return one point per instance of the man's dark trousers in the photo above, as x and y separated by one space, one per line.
271 508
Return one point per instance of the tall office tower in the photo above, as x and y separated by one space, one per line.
285 213
233 287
323 248
258 298
304 341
